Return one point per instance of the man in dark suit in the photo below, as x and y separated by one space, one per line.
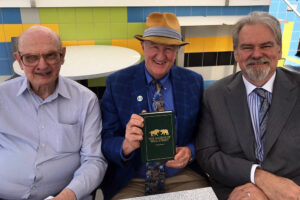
129 92
248 144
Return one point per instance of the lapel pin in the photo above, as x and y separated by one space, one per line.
139 98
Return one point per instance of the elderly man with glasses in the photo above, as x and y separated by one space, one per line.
50 126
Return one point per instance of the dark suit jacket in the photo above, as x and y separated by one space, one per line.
225 143
119 102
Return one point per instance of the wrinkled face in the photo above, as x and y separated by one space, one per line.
159 58
257 53
40 56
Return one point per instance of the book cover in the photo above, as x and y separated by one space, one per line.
158 136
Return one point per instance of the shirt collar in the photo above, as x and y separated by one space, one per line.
267 86
24 86
163 81
61 88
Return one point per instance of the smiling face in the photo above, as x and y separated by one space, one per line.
159 58
257 53
40 41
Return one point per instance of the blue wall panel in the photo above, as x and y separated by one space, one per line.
3 50
243 10
11 16
226 11
198 11
135 14
184 11
148 10
168 9
5 67
214 11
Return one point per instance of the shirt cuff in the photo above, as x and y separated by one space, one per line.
50 197
253 168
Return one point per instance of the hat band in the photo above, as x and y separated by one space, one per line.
162 32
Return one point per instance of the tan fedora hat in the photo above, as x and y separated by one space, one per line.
162 28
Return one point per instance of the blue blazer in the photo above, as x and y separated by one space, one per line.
119 102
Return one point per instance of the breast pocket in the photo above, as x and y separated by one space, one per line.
67 138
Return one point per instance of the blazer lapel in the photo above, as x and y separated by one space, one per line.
237 104
139 90
283 100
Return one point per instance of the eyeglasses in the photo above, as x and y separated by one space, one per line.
31 60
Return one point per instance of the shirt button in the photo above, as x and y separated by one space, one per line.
43 145
43 127
33 187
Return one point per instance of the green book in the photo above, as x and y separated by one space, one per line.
158 142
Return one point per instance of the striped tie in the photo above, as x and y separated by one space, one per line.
263 119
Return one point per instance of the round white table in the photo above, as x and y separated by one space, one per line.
93 61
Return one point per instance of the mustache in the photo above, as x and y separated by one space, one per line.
259 61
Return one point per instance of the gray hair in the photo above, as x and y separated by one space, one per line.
263 18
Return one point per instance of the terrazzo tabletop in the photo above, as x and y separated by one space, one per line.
196 194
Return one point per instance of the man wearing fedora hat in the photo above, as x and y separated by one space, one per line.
129 92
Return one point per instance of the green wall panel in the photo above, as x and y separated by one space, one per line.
118 15
119 31
68 31
48 15
103 31
66 15
84 15
101 15
134 29
103 42
85 32
96 82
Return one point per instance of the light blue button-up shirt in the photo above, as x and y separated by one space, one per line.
49 145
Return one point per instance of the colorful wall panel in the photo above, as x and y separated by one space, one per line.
104 25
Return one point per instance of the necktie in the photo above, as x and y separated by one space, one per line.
155 171
157 101
263 119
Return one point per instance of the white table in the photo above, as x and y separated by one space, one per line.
206 193
93 61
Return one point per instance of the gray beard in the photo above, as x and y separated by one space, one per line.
257 74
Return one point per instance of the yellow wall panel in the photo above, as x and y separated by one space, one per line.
210 44
196 45
186 47
26 26
224 43
86 42
2 36
286 38
135 45
12 30
121 43
69 43
54 27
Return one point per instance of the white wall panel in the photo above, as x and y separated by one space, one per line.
133 3
249 2
14 3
